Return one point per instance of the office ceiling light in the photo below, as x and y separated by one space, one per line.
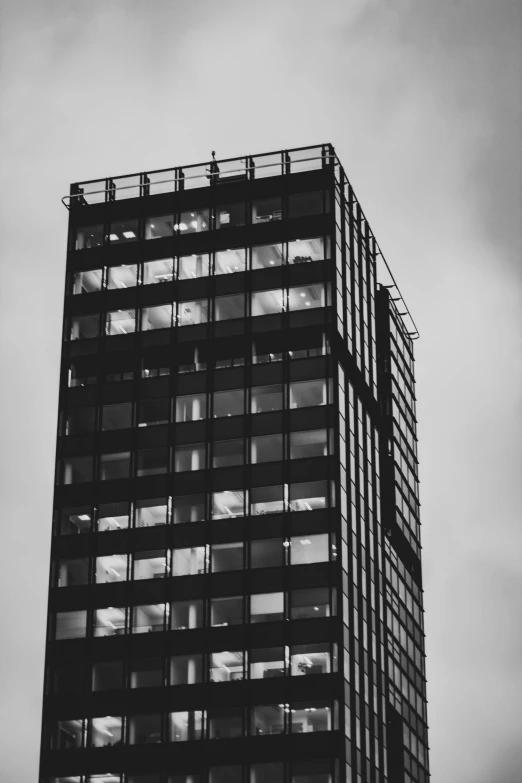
129 234
84 518
182 226
113 237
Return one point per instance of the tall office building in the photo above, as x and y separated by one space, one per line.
236 591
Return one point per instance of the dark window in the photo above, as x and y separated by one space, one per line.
107 675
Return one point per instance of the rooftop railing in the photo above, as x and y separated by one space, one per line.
214 172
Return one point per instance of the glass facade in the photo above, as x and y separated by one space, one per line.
236 538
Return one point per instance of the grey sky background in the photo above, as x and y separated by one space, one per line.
423 102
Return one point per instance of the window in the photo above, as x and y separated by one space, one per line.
147 618
226 666
229 261
228 452
308 496
309 549
146 673
267 398
225 723
229 403
113 516
144 729
192 407
88 237
152 412
311 717
195 312
267 448
75 520
77 470
229 503
157 317
267 500
227 557
160 271
311 443
67 677
265 607
82 373
84 326
266 663
229 307
226 611
268 719
266 302
120 322
111 568
186 614
107 675
125 276
115 466
304 394
306 297
189 561
185 726
193 221
194 266
80 421
106 732
230 215
267 210
264 256
301 204
71 625
301 251
152 461
124 231
189 457
87 282
150 513
310 659
267 553
229 774
109 621
151 564
117 417
272 772
310 603
68 734
189 508
159 226
186 669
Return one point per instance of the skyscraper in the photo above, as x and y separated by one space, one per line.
236 541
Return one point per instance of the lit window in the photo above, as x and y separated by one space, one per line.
157 317
147 618
111 568
266 302
230 261
226 666
302 251
185 726
113 516
193 221
267 663
228 504
125 276
194 266
109 621
106 732
124 231
267 210
87 282
120 322
265 256
306 297
160 271
266 607
159 226
267 500
195 312
309 549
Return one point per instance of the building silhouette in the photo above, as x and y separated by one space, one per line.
235 591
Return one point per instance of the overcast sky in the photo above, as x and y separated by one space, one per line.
422 101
